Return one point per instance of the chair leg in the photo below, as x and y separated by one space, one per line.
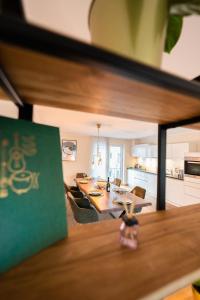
123 213
112 215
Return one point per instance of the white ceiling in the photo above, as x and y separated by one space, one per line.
80 123
85 123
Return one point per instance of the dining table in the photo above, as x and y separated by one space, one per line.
108 202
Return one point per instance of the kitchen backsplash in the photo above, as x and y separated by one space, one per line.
150 164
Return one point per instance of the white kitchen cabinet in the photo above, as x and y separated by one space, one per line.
140 179
191 190
169 153
151 184
152 151
130 177
174 151
145 180
178 192
178 151
175 191
139 150
137 178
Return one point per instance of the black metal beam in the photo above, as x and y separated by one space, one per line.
182 122
161 179
12 8
8 87
22 34
196 78
26 112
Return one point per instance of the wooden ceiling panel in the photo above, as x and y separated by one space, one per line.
47 80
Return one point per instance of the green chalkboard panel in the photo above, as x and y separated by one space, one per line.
32 202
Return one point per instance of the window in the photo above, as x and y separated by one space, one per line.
115 161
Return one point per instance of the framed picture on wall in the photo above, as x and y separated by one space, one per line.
69 150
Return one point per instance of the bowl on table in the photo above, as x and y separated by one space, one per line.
83 181
95 193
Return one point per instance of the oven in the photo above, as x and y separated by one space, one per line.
192 167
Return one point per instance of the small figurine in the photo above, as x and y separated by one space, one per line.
129 228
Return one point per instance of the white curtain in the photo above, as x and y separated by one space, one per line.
99 170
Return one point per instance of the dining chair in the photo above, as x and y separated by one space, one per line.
82 215
139 191
81 175
117 182
69 188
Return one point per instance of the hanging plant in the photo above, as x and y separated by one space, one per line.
139 29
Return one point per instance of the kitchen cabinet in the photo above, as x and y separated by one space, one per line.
130 177
145 150
178 151
191 190
145 180
178 192
152 184
175 191
139 150
174 151
137 178
152 151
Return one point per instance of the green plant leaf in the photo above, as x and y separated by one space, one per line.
173 32
197 282
184 7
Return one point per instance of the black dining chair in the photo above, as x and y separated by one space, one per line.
82 210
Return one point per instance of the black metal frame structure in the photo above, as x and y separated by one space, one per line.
162 147
14 31
25 110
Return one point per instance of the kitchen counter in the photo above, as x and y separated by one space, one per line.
91 264
144 171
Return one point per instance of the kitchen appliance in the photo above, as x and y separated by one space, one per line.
192 165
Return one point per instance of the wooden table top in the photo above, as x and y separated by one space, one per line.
105 202
90 264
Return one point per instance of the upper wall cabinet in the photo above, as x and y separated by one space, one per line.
145 150
174 151
178 151
139 150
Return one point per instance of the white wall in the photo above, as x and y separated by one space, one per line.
83 158
8 109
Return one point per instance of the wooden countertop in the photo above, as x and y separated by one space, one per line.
90 264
